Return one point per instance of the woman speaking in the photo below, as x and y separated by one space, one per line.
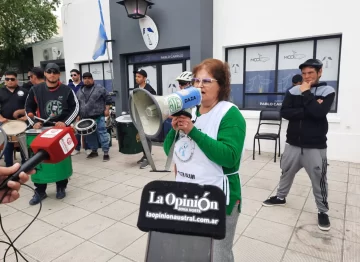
210 146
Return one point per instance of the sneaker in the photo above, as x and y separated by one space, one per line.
274 201
323 221
93 154
75 152
88 151
37 198
141 160
60 193
144 164
106 158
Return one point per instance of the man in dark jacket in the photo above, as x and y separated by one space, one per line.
306 107
95 102
55 100
141 81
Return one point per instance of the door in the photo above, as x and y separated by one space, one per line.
169 74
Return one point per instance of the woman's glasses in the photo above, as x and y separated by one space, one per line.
204 81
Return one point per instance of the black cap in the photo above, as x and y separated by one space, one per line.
87 74
141 72
297 79
52 66
312 63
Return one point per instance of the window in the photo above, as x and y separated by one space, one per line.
261 74
101 73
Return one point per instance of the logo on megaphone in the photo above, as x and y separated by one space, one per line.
153 110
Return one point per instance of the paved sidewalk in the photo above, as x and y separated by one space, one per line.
97 220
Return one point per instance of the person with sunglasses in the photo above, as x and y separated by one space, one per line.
28 84
184 79
54 100
76 84
208 151
12 107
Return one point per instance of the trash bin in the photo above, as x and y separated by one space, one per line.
128 136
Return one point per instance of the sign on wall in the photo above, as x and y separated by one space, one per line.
149 32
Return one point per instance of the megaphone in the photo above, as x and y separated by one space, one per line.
153 110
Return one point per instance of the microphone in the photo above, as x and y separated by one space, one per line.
51 146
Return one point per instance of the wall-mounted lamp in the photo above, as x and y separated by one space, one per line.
136 9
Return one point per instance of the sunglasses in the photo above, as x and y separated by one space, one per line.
10 79
52 71
204 81
182 83
73 75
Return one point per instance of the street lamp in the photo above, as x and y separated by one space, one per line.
136 8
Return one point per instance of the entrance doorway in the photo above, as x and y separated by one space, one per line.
162 69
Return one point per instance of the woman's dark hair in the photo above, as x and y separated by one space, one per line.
220 71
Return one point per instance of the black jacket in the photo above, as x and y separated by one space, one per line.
308 124
60 102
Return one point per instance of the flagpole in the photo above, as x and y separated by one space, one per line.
110 66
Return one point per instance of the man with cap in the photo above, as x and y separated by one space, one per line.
140 78
57 101
306 107
95 103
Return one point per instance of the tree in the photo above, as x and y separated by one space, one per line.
23 22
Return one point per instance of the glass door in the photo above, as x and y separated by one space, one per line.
169 74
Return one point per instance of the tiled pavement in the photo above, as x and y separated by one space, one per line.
97 220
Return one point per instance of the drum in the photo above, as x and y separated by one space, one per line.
46 172
86 126
13 128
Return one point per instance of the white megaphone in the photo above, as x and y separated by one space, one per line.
153 110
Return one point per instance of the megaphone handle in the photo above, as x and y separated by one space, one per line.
26 167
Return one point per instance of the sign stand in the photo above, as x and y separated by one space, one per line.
182 219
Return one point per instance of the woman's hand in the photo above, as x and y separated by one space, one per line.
185 124
174 122
13 193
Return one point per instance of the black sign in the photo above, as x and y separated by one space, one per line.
160 56
183 208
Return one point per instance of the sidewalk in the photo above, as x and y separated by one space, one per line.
97 220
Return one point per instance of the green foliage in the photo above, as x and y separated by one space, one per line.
23 22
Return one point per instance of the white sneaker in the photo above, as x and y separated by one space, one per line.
75 152
88 151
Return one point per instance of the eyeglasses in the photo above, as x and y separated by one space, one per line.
10 79
73 75
182 83
52 71
204 81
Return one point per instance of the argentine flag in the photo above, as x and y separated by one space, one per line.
100 46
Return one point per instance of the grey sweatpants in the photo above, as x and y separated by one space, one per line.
315 163
222 249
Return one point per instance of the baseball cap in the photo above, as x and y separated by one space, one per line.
141 72
52 66
87 74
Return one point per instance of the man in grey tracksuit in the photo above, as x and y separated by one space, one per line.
94 103
306 107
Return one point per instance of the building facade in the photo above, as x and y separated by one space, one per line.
263 42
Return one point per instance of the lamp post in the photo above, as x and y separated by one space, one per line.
136 9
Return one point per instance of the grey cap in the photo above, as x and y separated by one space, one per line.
52 66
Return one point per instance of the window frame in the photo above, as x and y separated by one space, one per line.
277 44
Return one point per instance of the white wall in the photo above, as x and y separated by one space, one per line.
38 49
260 21
80 26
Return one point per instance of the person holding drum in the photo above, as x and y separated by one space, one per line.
208 150
37 76
95 103
58 103
12 107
